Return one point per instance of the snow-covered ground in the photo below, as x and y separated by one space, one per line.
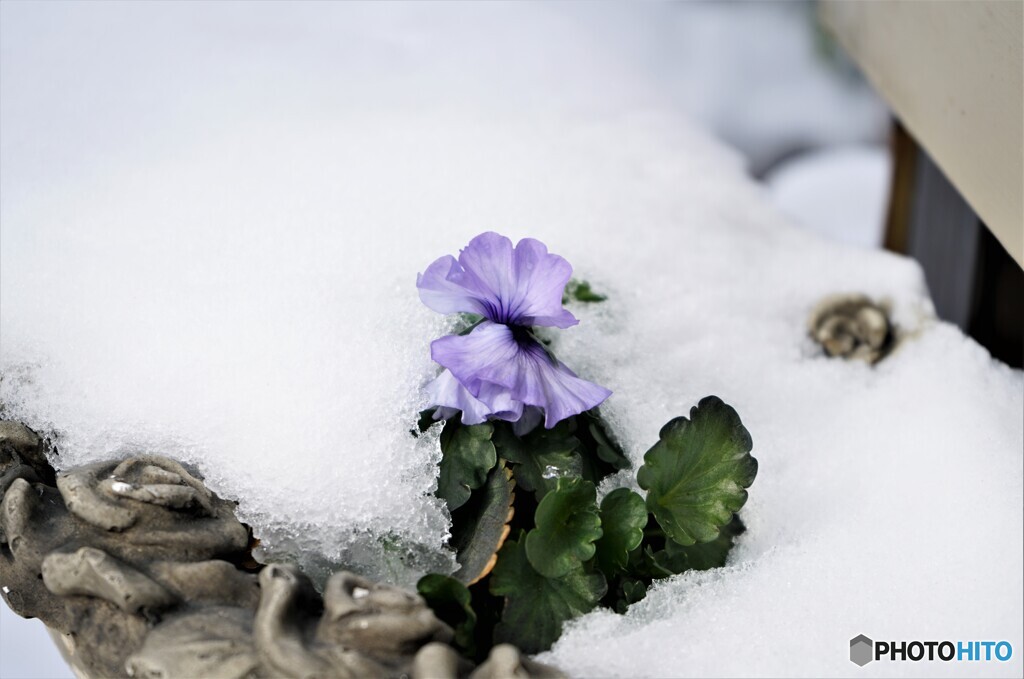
840 192
211 225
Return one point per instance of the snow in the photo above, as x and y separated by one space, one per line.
209 251
841 192
887 503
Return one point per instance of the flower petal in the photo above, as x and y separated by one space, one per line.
487 354
515 286
521 285
548 383
490 357
487 262
445 288
448 394
540 279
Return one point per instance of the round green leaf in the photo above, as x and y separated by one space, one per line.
631 590
567 526
536 606
696 474
623 517
467 454
541 457
702 556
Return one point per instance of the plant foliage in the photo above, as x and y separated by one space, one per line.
572 553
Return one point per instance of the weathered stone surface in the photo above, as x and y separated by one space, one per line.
103 635
92 572
214 642
281 629
852 326
382 620
506 662
21 455
209 582
438 660
31 527
153 504
135 566
104 570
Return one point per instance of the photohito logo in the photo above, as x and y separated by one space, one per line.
863 650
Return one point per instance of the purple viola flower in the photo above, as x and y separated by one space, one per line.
500 370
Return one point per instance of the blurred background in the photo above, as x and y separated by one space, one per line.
83 84
769 80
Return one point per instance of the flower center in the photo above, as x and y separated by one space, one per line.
522 335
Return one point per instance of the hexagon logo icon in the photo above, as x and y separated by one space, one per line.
861 650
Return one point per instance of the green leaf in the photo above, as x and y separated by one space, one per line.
608 450
630 591
580 291
450 601
467 323
703 555
567 526
623 517
536 606
601 455
541 457
480 528
467 454
633 590
696 474
654 564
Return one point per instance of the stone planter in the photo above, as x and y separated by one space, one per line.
138 569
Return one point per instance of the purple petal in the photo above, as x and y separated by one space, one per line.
501 403
487 354
540 280
443 288
448 394
487 262
490 357
514 286
526 281
548 383
445 412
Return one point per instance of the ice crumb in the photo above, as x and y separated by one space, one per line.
120 487
551 472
